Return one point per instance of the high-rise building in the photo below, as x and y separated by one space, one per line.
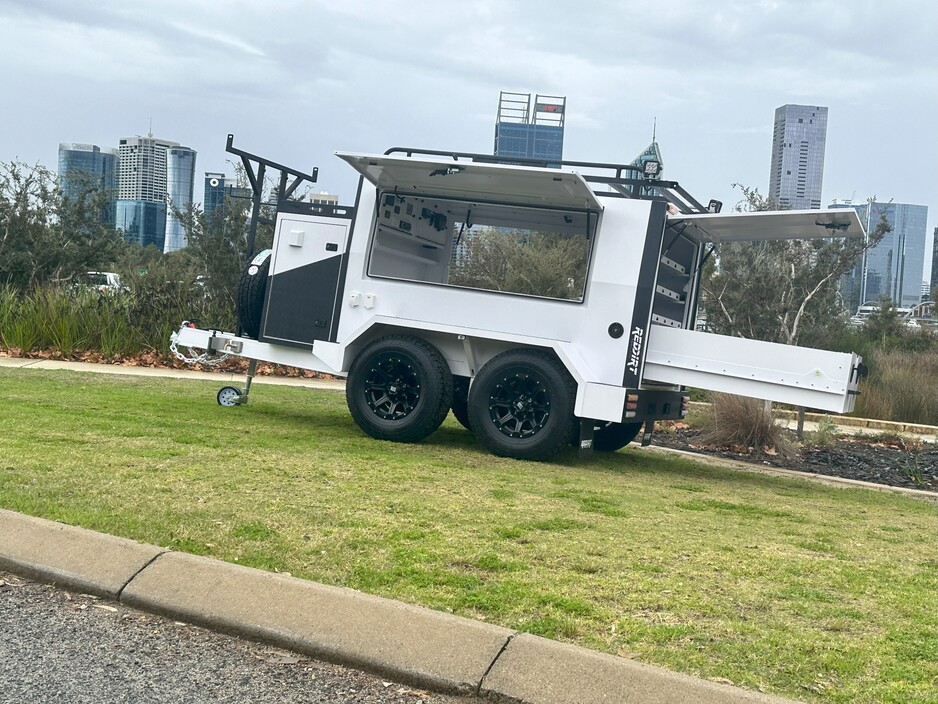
214 193
83 163
934 263
148 172
180 183
217 187
529 128
797 169
894 267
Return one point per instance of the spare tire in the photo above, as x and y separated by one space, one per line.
252 287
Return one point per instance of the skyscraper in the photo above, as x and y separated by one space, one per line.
895 267
797 169
150 174
217 187
78 162
934 263
180 182
527 129
214 193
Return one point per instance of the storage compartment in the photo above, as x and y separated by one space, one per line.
675 285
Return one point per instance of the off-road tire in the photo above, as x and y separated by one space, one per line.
252 287
521 405
609 437
399 388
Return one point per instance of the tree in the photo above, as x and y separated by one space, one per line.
783 290
218 243
47 234
530 262
884 322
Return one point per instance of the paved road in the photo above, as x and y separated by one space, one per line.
63 647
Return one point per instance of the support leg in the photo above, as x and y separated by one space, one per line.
252 368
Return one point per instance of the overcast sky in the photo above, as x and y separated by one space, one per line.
296 80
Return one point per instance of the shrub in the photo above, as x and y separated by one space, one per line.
737 420
826 434
67 323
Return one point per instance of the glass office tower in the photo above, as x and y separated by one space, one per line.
797 169
84 163
529 128
893 268
180 183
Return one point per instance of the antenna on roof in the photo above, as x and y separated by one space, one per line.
150 133
654 129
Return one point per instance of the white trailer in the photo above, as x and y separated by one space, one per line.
545 307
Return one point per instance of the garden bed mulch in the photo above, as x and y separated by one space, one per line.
890 461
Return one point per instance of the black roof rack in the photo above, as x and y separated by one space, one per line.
623 180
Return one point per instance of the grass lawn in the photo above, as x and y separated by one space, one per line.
791 587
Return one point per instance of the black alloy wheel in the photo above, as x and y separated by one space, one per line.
392 385
519 403
252 287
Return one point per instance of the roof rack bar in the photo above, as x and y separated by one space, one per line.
513 161
626 180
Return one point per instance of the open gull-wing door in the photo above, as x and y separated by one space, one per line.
768 225
474 181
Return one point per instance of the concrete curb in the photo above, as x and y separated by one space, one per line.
534 669
408 643
428 648
74 557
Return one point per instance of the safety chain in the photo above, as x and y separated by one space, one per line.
203 357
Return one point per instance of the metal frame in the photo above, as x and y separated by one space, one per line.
257 185
626 180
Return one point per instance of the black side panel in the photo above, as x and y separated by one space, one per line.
301 303
644 294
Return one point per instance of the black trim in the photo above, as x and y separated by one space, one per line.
644 295
325 210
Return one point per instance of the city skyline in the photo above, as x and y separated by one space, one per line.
710 75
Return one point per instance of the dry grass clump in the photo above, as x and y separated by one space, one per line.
902 386
741 422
